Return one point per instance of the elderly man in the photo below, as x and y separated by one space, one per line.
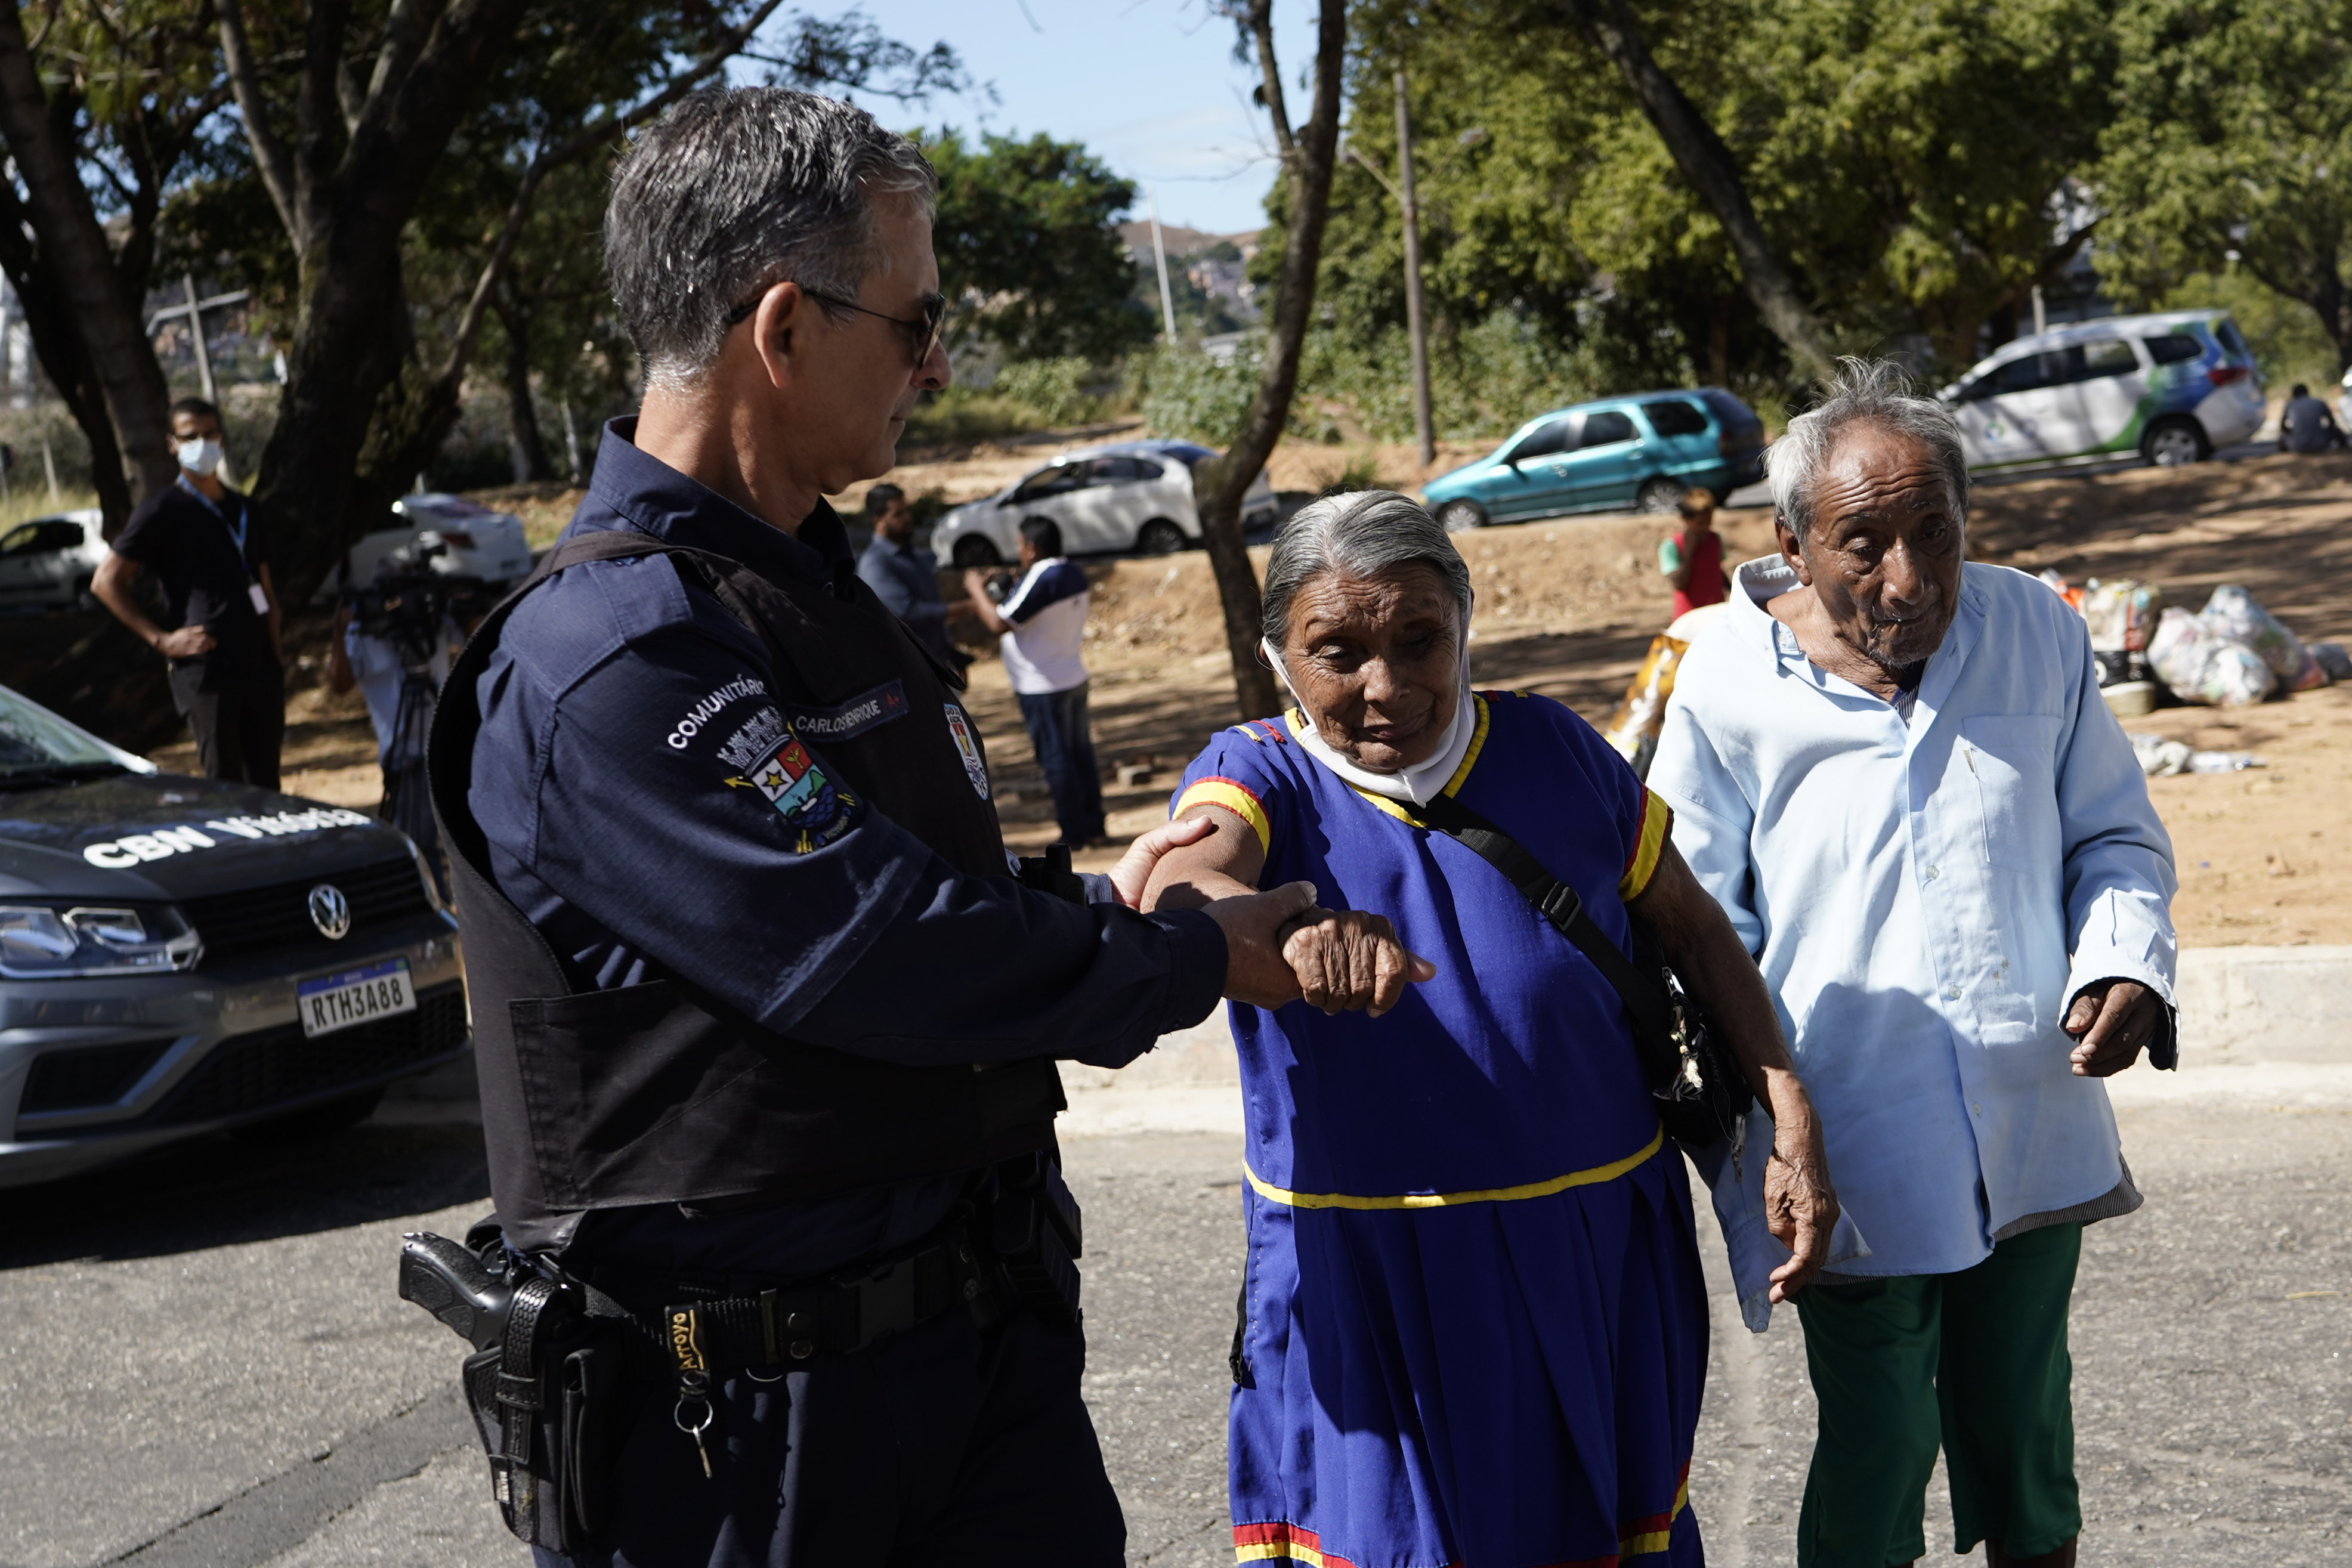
765 1030
1895 772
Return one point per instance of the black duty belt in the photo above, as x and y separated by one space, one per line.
718 1329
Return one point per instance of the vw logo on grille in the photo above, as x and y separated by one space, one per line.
330 912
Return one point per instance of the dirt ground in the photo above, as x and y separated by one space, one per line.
1568 608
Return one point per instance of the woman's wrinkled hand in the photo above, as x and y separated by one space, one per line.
1800 1206
1351 961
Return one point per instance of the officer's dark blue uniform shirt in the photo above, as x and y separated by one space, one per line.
611 826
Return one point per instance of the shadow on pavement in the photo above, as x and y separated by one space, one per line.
222 1191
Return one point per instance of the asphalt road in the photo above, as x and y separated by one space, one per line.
205 1363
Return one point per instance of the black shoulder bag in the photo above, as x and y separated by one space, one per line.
1700 1092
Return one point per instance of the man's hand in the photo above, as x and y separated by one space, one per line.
1134 868
1351 961
184 643
2114 1019
1255 971
1800 1206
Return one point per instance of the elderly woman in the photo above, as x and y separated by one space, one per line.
1473 1327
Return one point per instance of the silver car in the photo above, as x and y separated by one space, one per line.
1134 495
47 563
180 955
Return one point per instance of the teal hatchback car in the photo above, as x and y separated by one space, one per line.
1618 455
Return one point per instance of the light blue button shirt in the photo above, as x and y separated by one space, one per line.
1925 900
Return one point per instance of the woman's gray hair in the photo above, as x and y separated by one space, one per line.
1863 392
1361 533
734 191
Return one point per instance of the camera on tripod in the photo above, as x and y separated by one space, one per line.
408 600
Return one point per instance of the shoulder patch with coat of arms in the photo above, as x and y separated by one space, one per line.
815 810
974 769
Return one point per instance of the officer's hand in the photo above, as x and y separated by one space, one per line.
1134 868
184 643
1349 960
1255 971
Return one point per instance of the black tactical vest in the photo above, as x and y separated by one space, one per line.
657 1093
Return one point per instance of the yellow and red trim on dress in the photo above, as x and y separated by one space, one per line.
1232 795
1278 1541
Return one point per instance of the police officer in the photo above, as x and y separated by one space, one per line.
764 1027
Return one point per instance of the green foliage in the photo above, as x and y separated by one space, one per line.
1054 390
1912 164
2234 143
1361 473
1183 393
1483 382
1026 228
2283 333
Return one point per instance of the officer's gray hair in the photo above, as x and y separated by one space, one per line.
1863 392
1362 533
734 191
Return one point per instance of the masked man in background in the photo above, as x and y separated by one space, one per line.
227 667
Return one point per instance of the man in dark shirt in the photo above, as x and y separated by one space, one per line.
2306 424
905 580
226 665
654 789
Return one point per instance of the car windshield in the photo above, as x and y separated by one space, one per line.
37 744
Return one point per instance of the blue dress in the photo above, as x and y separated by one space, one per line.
1473 1328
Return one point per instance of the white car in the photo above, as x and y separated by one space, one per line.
479 542
2170 388
47 563
1136 496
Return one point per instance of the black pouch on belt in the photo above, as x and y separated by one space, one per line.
1035 1231
544 1386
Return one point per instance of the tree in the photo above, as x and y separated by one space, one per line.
1027 246
1915 170
344 111
365 403
84 295
1308 154
1712 171
2234 143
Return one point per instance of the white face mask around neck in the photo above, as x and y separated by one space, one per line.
1422 782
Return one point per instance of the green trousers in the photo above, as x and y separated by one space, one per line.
1975 1361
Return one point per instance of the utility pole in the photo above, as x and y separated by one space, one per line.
1159 254
1416 325
194 312
196 336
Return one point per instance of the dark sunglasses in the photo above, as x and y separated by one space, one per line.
922 332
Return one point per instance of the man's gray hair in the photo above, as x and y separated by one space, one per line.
734 191
1873 392
1361 533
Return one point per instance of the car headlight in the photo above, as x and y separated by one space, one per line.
41 942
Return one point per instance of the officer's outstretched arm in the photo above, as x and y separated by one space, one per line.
1340 962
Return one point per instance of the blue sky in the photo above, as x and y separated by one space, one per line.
1151 88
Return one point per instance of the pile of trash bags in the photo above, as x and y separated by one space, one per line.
2234 654
2231 653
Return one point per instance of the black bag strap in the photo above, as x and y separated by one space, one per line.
1562 908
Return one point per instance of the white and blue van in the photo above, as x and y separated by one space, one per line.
2170 387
